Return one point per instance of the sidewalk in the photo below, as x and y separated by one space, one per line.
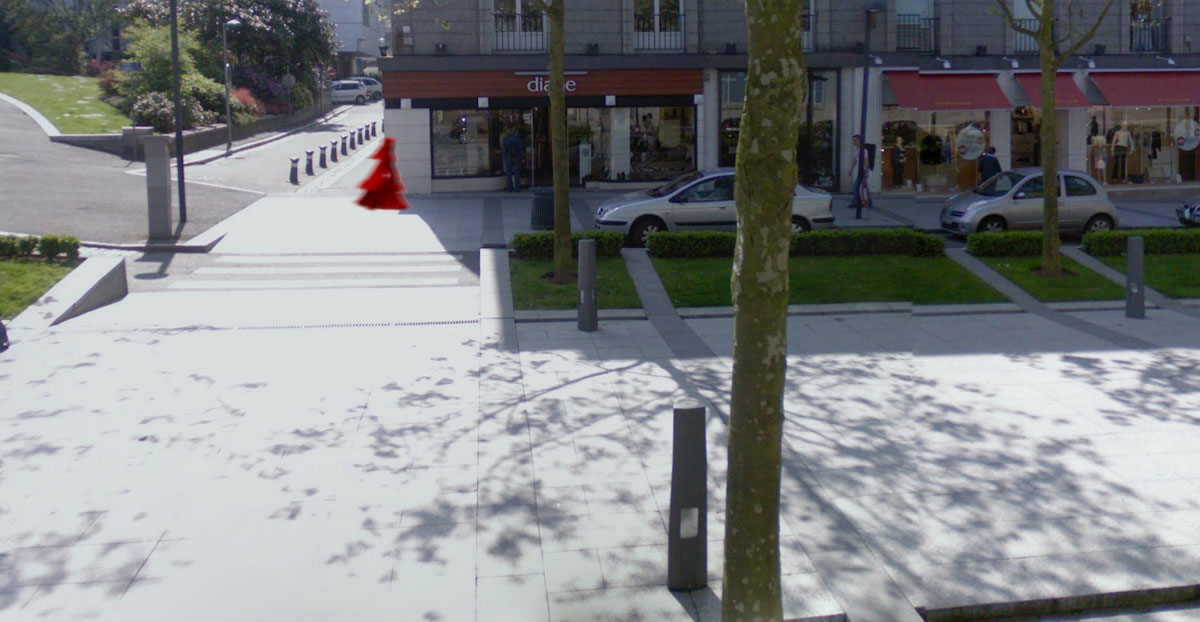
366 451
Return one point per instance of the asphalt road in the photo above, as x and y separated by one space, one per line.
48 187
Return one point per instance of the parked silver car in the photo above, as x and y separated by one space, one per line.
373 86
1189 212
348 91
1013 200
701 200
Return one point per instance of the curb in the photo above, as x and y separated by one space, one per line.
192 246
97 282
258 143
1110 602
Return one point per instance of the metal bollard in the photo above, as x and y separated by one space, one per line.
586 312
295 175
3 338
321 163
373 132
333 150
352 139
360 136
687 535
308 170
343 144
1135 277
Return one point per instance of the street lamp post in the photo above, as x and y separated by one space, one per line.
178 112
873 6
228 78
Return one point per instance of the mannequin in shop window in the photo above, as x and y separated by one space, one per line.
1097 159
1122 143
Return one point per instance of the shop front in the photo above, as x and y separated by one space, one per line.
622 124
936 126
1149 131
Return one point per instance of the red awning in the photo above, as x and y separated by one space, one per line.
1149 88
947 91
1066 94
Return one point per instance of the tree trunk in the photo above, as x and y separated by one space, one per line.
766 175
1051 257
564 266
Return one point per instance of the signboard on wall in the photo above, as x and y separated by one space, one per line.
1187 134
497 84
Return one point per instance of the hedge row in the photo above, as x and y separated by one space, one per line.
540 245
1007 244
814 243
1157 241
48 246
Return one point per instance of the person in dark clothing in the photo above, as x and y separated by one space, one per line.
989 165
513 152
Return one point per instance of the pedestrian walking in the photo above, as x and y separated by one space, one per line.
989 165
859 165
513 152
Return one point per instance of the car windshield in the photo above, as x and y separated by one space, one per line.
999 185
674 184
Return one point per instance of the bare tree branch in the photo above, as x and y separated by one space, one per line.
1012 21
1086 37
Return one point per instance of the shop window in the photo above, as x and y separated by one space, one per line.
658 25
662 141
936 150
1078 186
520 25
1160 144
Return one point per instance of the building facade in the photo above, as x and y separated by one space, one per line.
656 87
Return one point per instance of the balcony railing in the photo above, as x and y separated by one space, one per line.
1028 44
658 31
915 33
515 31
1150 35
808 40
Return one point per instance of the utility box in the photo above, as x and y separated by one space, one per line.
158 185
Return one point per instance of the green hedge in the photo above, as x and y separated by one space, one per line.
48 246
540 245
811 244
1157 241
1006 244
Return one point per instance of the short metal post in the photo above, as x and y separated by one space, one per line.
308 169
1135 277
294 177
687 536
352 139
373 132
321 162
587 285
343 144
360 136
3 338
333 150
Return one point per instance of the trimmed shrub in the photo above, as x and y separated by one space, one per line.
27 244
540 245
51 246
158 109
691 244
1157 241
302 96
110 81
8 246
1006 244
208 93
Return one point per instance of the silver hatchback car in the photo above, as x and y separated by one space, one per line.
699 201
1013 200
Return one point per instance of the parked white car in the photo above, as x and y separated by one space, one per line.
699 201
349 92
374 87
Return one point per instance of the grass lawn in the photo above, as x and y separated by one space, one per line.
1177 276
1080 284
614 288
704 282
23 281
72 103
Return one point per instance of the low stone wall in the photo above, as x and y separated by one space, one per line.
128 146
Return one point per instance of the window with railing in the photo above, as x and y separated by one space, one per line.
658 25
807 39
1149 34
916 33
1028 44
519 26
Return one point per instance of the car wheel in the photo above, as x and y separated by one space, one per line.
992 224
1099 222
360 100
800 225
640 234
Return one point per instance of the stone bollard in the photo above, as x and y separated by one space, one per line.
1135 277
294 177
352 139
308 169
687 533
343 144
321 162
158 185
333 150
586 313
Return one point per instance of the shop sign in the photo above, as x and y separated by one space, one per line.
542 85
970 142
1187 134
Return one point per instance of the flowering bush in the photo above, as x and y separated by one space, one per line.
94 67
158 109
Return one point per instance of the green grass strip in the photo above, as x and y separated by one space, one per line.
71 103
22 281
1177 276
1078 284
614 288
704 282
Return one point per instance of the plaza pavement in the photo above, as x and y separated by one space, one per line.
337 415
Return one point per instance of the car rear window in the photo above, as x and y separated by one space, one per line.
1078 186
